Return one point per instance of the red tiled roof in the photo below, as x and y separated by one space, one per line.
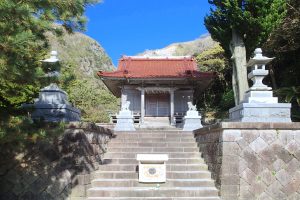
143 67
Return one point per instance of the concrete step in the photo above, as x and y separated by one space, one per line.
151 144
169 183
152 149
170 167
110 155
153 135
188 177
153 198
197 160
147 132
152 140
152 192
134 175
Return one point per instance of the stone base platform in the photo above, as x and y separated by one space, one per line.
192 121
54 112
124 121
261 112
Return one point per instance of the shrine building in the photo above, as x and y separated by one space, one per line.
157 86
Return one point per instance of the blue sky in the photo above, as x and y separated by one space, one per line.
128 27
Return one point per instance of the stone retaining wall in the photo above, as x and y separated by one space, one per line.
52 170
253 160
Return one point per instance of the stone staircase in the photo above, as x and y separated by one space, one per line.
187 175
156 123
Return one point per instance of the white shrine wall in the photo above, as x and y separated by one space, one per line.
133 95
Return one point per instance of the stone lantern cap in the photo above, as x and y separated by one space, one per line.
258 59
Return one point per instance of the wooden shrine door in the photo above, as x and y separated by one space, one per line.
157 105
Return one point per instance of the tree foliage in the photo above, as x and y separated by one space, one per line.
284 44
212 60
240 26
21 130
218 98
94 101
253 20
23 43
286 37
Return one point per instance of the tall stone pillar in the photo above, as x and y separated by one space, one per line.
173 123
142 105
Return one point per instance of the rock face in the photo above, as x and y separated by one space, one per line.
82 51
183 48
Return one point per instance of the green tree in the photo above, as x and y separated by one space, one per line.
284 44
94 102
23 25
218 98
240 26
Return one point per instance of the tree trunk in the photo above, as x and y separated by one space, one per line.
272 75
239 75
235 87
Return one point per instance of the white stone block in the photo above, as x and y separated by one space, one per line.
192 121
260 97
152 168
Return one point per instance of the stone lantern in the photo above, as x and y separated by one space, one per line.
52 104
259 105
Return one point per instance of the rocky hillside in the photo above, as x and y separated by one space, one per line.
193 47
80 58
80 50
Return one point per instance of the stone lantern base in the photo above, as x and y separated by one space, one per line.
53 106
55 113
261 112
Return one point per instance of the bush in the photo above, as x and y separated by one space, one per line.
20 129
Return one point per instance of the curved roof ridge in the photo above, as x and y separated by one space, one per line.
157 57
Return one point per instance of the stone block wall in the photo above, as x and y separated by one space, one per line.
253 160
54 170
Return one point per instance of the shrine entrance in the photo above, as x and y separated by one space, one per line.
157 105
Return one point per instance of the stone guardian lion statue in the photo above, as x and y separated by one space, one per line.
126 105
191 106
